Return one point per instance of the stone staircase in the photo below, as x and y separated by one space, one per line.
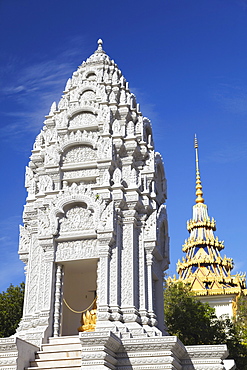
61 353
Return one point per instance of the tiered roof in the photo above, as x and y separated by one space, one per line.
203 267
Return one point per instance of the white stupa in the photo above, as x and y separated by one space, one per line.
95 238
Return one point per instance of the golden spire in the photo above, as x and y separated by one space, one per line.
199 192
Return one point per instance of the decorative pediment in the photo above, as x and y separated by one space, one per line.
78 137
79 154
76 196
76 219
83 119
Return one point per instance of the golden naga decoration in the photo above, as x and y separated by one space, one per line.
203 267
89 318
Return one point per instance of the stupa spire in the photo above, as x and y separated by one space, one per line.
100 48
203 267
199 192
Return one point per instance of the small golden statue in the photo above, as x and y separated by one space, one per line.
88 319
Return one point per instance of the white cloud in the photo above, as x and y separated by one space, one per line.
232 97
32 86
230 153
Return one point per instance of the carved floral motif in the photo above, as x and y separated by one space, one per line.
43 222
88 95
78 249
79 154
76 219
52 156
24 239
105 148
80 174
83 119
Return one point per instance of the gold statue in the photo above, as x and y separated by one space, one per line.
88 319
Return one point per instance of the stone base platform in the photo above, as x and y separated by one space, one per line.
106 350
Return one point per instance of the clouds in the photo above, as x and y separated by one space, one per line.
28 87
232 96
229 153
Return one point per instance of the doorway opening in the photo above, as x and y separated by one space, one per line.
79 292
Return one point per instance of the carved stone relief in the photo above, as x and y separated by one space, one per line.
150 228
45 183
82 119
79 154
88 95
44 222
76 219
77 249
80 174
24 240
52 156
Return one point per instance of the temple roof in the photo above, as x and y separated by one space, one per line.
203 267
99 56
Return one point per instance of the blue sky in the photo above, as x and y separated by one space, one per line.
186 62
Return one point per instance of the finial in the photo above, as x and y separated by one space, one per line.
199 192
100 43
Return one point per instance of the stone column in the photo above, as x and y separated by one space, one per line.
149 258
129 282
143 278
115 271
103 314
57 303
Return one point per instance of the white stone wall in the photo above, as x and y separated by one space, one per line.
96 189
221 303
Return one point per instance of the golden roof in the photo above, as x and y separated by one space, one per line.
203 267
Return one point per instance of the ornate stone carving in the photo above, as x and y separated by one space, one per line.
82 120
45 183
105 148
44 222
50 135
52 156
24 240
116 128
88 161
57 305
106 218
30 181
77 249
105 178
117 177
150 228
80 174
85 137
88 95
76 219
79 154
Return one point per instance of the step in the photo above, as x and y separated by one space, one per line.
64 353
55 363
65 339
59 347
65 367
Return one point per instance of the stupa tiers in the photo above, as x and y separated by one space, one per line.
95 226
207 272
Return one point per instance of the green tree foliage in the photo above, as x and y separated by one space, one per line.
192 321
11 304
241 318
196 323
